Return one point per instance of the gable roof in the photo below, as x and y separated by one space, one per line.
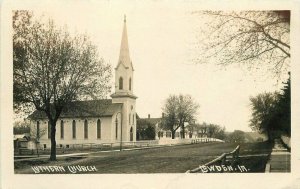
142 123
150 120
23 137
90 108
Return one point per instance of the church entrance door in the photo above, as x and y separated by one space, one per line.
131 134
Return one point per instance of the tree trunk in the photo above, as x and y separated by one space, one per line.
37 149
183 131
173 134
53 141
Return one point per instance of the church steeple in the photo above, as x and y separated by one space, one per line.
124 57
124 69
124 86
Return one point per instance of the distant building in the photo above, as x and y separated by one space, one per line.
162 133
97 121
24 141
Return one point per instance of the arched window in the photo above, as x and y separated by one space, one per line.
37 130
61 129
130 84
86 129
74 129
49 129
132 118
98 128
131 134
129 118
116 128
120 83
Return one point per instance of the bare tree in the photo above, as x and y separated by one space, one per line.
179 110
250 38
53 68
36 133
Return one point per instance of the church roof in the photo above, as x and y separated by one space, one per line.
124 57
82 109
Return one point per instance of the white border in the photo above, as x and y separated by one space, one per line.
127 181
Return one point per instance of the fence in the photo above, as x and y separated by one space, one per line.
202 140
145 143
221 160
64 148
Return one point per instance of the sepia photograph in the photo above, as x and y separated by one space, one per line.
150 87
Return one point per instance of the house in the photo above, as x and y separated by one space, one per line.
162 134
96 121
24 141
146 128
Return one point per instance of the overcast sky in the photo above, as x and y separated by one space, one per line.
161 38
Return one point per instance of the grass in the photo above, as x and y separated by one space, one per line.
175 159
254 164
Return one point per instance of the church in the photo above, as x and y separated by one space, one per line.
96 121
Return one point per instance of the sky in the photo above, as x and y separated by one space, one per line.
161 39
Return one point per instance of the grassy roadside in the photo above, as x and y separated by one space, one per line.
174 159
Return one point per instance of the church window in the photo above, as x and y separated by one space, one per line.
131 134
130 84
74 129
132 118
116 128
86 129
37 130
61 129
129 118
120 83
98 128
49 129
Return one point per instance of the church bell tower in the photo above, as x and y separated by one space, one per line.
124 86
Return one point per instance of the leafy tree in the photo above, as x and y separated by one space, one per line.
263 111
145 130
283 112
220 133
178 109
271 112
236 136
250 38
210 130
214 131
53 68
150 133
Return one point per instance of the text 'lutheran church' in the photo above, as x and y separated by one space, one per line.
97 121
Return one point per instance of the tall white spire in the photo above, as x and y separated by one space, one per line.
124 70
124 57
